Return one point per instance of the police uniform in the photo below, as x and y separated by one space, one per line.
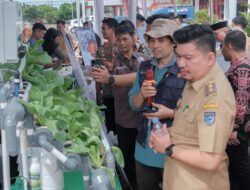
204 120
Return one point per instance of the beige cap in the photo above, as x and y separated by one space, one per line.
160 28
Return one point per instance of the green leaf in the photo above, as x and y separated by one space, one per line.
93 140
95 122
52 126
118 155
94 154
37 45
8 70
68 81
61 136
61 110
29 106
48 101
78 147
37 94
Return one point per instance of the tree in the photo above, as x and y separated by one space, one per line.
30 13
65 11
33 13
50 14
247 16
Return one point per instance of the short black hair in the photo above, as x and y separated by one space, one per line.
240 20
219 25
140 17
151 18
202 35
237 39
123 29
110 22
38 26
179 17
61 21
127 23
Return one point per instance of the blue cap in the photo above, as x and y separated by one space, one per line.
155 120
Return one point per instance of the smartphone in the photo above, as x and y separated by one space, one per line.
97 63
149 110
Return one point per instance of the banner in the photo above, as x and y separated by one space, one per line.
87 83
87 41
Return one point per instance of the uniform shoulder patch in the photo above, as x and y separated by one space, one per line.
209 118
210 88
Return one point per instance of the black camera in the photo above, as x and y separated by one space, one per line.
96 63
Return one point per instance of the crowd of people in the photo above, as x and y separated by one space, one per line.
195 78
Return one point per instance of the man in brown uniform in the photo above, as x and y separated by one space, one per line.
195 145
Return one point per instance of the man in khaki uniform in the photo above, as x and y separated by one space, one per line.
195 145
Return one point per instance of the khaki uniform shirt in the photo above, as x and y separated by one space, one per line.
204 121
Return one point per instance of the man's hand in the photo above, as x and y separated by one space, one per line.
162 113
109 64
100 74
160 142
148 89
233 139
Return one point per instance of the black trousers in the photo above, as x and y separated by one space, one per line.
239 166
126 142
148 178
110 114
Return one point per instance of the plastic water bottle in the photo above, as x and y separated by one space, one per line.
51 176
86 171
157 128
34 172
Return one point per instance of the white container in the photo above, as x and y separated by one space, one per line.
34 173
51 176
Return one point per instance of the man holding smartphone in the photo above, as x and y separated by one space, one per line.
166 89
126 64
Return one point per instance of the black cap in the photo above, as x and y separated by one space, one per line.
38 26
219 25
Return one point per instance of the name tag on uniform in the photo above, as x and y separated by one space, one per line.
209 118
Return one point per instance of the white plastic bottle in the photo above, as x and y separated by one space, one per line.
157 128
34 172
51 175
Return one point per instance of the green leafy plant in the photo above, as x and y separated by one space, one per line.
202 17
68 115
247 16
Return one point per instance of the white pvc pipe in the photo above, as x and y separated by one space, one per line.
6 162
24 155
60 156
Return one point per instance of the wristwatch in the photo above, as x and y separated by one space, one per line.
111 79
169 150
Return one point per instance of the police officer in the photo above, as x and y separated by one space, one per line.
195 145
